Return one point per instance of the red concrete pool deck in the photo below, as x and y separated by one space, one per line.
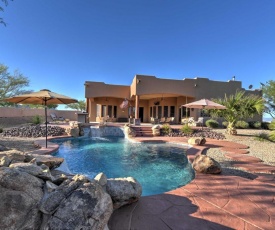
209 201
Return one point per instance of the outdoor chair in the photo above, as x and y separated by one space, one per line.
162 120
56 118
199 122
172 120
189 121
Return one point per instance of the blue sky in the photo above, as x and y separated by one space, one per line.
61 44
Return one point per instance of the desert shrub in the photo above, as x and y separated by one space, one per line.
265 125
255 124
272 136
241 125
262 136
271 126
212 124
225 124
36 120
186 129
166 129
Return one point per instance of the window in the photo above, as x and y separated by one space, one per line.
151 112
165 111
159 111
115 111
154 111
172 111
110 112
185 112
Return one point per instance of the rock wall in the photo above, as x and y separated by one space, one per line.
34 195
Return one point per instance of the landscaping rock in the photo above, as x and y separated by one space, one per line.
101 179
207 165
206 133
156 130
50 161
196 141
123 191
129 132
34 131
15 156
33 169
5 161
3 148
20 193
87 207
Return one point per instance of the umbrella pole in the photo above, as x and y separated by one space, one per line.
46 125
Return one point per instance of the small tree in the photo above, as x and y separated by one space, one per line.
269 96
238 107
80 105
11 84
2 9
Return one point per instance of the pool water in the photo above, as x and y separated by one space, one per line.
158 167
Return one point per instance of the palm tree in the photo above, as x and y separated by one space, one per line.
238 106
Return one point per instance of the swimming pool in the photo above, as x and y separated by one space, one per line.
159 167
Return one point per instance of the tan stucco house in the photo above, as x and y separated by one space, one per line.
150 96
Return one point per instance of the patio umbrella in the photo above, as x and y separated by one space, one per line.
204 104
43 97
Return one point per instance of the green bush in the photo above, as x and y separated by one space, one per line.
186 129
255 124
225 124
272 136
271 126
241 125
166 129
36 120
1 130
265 125
212 124
262 136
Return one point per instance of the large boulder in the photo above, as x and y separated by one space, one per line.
86 207
196 141
123 191
129 131
205 164
33 169
5 161
50 161
156 130
20 192
14 155
52 200
101 178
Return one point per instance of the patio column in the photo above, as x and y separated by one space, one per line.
137 107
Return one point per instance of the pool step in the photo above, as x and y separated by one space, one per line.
143 131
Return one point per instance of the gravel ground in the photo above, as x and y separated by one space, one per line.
264 150
18 143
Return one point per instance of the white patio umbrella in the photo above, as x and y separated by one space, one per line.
43 97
